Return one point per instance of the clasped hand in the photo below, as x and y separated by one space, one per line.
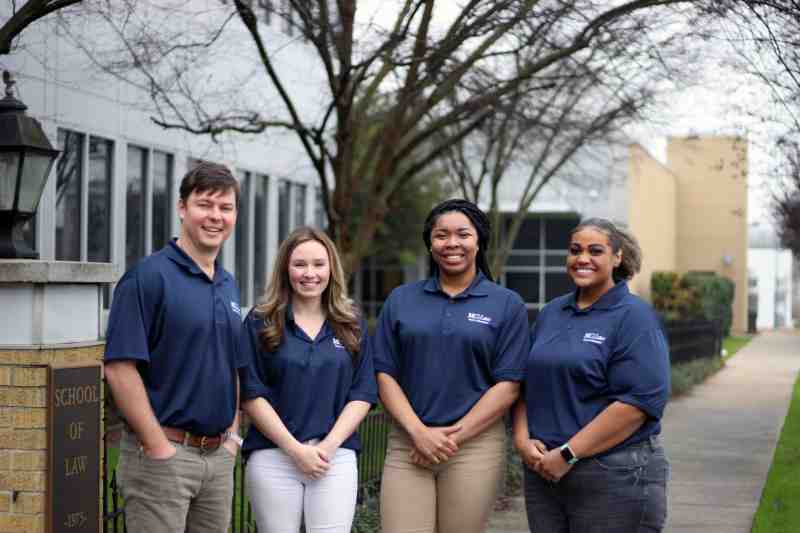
311 460
434 445
547 463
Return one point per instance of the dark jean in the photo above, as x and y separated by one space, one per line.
622 492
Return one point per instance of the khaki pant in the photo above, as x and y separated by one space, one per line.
453 497
189 492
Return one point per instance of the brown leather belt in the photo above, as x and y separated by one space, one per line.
195 441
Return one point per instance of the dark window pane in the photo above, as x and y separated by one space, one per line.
28 232
556 284
556 260
69 169
532 314
367 282
299 205
134 205
556 232
243 240
528 236
524 283
388 280
320 220
100 169
283 210
260 237
516 259
162 198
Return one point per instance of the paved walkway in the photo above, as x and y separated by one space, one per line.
720 439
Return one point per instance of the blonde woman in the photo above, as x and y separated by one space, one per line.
309 383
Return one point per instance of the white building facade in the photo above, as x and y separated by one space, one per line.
771 271
112 193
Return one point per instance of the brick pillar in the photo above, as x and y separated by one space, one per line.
52 317
23 429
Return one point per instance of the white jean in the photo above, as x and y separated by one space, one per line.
281 496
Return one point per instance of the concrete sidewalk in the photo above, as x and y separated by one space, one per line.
720 439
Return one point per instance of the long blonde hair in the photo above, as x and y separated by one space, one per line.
339 309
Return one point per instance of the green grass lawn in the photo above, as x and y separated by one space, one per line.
779 510
734 344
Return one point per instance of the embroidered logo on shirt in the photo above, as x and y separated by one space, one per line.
595 338
479 318
236 308
338 344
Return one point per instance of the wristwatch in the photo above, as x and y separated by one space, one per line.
235 437
568 455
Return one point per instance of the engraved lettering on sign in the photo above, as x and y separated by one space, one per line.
74 418
69 396
75 520
74 466
75 430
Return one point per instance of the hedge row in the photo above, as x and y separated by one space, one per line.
694 295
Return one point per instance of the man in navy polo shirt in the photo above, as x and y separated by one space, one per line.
171 364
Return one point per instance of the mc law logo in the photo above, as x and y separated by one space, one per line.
479 318
594 338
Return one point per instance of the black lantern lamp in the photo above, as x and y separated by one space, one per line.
26 157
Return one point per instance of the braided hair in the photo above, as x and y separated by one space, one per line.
619 239
478 219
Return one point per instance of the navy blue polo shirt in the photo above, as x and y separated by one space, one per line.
182 329
446 352
581 361
307 381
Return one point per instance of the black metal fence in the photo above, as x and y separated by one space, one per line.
693 339
373 433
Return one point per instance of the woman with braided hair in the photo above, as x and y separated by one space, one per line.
588 426
449 353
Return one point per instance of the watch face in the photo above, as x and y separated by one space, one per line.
567 454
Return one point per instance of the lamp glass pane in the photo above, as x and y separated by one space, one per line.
9 168
34 175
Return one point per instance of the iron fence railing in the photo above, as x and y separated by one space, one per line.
373 432
693 339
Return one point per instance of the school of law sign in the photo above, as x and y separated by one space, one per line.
74 468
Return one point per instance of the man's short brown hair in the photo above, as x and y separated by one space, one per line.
206 176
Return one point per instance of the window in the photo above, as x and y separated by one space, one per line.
135 205
536 266
243 239
526 284
148 202
320 219
69 185
252 257
261 258
284 206
377 279
77 183
163 183
299 205
100 172
557 284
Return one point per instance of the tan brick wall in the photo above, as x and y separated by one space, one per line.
712 210
652 196
23 430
